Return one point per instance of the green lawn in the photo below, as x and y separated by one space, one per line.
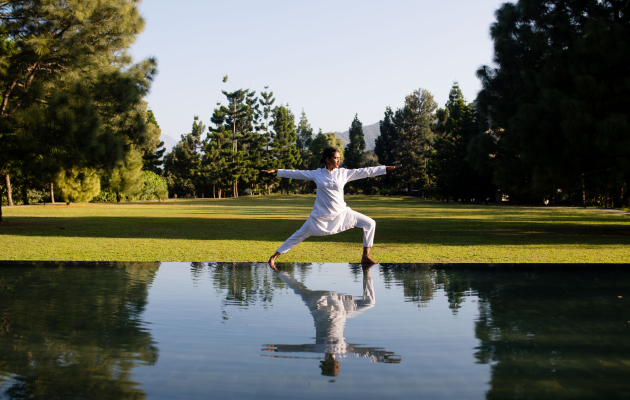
251 228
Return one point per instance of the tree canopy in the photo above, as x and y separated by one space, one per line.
555 109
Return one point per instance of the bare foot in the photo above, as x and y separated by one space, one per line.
272 261
368 260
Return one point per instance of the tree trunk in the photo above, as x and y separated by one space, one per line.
235 188
52 194
583 192
617 198
9 197
219 192
25 195
213 192
1 202
117 197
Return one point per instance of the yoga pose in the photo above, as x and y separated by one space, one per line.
330 214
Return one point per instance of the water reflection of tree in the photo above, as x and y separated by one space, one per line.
74 332
554 333
421 282
245 284
548 333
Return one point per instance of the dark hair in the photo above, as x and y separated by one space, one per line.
328 153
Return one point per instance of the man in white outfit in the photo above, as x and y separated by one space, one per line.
330 214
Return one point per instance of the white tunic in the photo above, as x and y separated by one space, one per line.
330 311
330 214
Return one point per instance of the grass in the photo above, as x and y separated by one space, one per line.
251 228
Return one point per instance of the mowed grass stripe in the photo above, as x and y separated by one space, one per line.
251 228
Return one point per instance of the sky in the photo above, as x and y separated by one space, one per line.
332 59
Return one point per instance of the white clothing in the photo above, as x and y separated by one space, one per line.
330 213
330 311
347 220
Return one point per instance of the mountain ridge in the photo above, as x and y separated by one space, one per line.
370 132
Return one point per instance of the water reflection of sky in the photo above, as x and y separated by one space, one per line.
199 330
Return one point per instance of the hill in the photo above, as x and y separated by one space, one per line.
370 132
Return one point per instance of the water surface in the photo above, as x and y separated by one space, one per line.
200 330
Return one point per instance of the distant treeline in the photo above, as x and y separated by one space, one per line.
550 125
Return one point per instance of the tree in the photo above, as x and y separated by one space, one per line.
69 90
217 152
241 115
152 158
385 144
354 150
321 142
126 178
285 151
183 164
556 105
154 187
414 137
236 124
115 297
266 102
78 185
268 162
304 133
304 143
452 172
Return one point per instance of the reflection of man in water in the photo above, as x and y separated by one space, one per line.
330 311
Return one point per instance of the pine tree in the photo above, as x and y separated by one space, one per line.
386 143
152 158
453 176
268 162
285 151
266 102
304 142
415 137
126 179
183 164
78 185
304 133
321 142
241 115
556 107
218 152
354 150
70 93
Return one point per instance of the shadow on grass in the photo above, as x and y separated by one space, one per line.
441 231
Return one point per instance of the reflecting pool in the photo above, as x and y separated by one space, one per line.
218 330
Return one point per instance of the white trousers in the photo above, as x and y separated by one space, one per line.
355 220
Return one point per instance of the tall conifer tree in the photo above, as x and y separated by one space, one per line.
555 109
152 158
183 164
415 138
286 152
354 150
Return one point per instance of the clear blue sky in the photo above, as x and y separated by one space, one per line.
331 58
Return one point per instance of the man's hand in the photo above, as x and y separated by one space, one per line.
269 171
388 168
